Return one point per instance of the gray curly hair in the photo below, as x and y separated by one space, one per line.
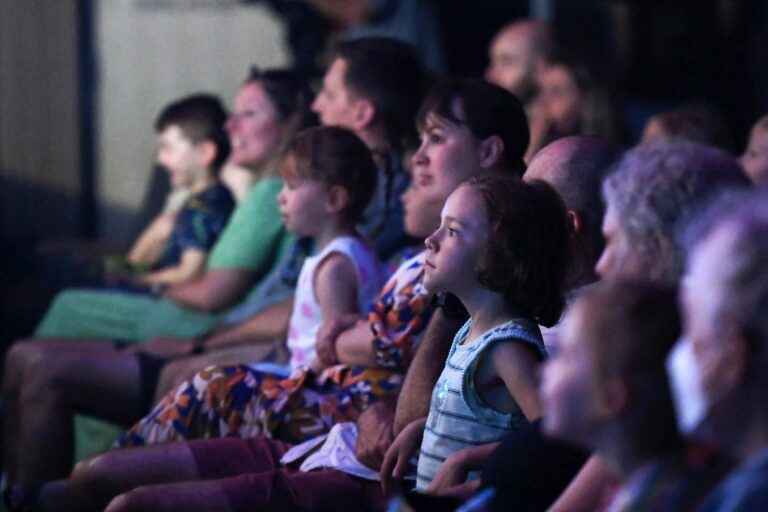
658 188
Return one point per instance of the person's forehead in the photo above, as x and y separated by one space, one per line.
172 133
611 220
702 286
515 38
465 205
249 94
336 73
759 139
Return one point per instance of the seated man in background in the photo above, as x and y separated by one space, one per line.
515 55
718 368
654 193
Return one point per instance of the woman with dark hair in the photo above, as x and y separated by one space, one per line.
573 99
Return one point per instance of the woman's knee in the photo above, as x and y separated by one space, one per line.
93 476
135 500
23 358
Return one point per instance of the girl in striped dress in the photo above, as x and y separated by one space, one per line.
501 248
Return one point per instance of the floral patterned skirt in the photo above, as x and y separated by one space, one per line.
238 401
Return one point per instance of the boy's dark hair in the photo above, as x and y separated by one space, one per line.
200 117
289 93
527 253
389 73
335 156
486 110
631 327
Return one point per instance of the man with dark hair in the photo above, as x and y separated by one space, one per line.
374 87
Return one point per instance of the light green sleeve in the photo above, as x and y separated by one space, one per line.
255 234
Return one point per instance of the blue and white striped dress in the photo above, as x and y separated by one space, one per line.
458 418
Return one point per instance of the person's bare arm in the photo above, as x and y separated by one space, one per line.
213 291
427 364
374 432
344 12
336 292
191 265
263 327
516 364
149 245
454 470
354 346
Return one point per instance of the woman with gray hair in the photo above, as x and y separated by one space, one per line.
655 191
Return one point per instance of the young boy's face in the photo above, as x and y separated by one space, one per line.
755 158
180 158
455 250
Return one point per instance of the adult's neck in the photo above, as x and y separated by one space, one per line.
267 168
621 456
374 138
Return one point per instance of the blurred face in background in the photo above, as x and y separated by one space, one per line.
334 104
559 98
255 130
755 158
513 62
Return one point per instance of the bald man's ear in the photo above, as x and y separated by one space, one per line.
365 113
491 150
576 220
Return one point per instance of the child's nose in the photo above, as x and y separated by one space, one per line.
431 242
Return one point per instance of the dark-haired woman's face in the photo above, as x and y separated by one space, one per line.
448 155
560 99
254 128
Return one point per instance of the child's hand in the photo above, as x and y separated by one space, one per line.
329 331
316 366
451 473
397 457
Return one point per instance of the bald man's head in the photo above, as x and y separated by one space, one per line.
575 167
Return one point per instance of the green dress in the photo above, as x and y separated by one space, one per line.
253 240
